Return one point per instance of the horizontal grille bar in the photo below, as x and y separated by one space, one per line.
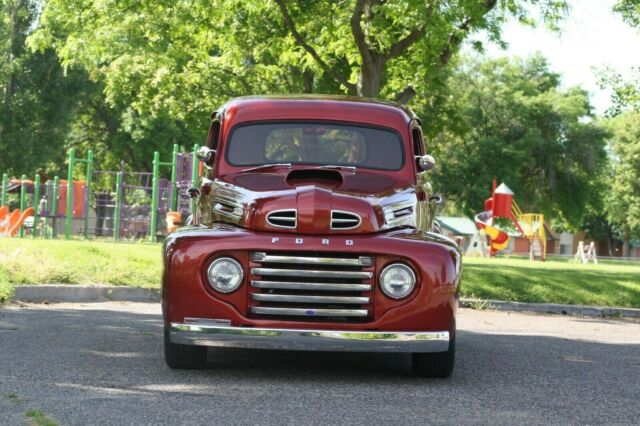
311 286
310 273
302 260
263 297
307 312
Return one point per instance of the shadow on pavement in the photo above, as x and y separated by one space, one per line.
78 363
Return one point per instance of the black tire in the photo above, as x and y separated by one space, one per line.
437 365
183 357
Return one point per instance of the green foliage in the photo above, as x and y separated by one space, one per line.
630 11
623 192
38 418
180 59
509 120
35 99
625 92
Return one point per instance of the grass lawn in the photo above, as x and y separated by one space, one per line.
28 261
554 281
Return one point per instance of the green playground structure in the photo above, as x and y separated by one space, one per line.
124 205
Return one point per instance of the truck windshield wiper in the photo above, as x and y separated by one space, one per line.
332 166
267 166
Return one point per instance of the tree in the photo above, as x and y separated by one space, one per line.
623 193
36 99
510 120
181 58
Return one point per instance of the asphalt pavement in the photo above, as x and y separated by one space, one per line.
102 363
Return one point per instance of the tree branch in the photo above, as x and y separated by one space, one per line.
456 38
358 33
398 48
405 96
310 50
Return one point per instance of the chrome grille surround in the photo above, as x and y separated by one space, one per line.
311 287
287 218
341 220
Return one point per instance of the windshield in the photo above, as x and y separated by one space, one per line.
315 143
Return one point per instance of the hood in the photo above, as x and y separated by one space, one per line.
312 201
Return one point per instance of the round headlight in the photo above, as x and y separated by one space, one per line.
397 280
225 275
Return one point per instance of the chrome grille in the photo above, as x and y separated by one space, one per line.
344 220
311 287
283 218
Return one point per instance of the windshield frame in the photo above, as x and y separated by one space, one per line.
395 132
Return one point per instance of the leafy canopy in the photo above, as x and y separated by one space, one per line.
511 121
623 195
182 58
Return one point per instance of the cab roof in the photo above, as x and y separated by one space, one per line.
317 107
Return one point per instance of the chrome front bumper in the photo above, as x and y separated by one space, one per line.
203 332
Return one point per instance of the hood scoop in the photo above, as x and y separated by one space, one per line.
344 220
283 218
315 176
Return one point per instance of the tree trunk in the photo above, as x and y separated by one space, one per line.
626 243
307 78
370 80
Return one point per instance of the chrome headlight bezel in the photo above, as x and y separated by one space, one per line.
404 267
238 278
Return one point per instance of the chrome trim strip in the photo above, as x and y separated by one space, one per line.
310 312
232 214
297 298
398 205
356 217
392 208
301 260
294 219
209 332
285 285
310 273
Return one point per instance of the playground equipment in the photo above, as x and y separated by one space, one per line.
502 205
586 253
115 204
10 223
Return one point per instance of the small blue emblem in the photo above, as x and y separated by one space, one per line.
309 312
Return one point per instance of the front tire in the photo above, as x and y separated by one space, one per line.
438 365
183 357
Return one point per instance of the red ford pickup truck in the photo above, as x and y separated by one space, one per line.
313 231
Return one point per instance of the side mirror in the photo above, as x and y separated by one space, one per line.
206 155
436 199
193 192
425 162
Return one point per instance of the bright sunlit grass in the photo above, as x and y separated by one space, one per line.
28 261
553 281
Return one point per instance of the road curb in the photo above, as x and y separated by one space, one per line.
56 293
550 308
